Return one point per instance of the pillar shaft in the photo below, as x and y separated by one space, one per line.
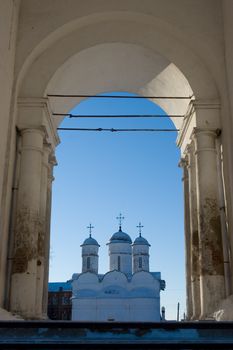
189 305
42 235
28 226
212 287
194 236
52 162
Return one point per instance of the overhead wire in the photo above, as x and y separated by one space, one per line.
121 96
71 115
117 130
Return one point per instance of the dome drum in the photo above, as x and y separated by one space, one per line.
90 250
119 248
138 249
90 257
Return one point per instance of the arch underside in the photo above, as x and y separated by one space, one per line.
116 52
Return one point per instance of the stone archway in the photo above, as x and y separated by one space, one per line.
154 59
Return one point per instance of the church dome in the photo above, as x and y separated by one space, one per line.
141 241
90 241
120 237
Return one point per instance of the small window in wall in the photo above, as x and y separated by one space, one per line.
118 263
88 263
140 262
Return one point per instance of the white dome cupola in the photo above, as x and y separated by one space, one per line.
120 250
90 257
140 252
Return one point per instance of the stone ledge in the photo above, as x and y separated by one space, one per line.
67 335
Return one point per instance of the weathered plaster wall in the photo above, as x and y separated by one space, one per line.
8 32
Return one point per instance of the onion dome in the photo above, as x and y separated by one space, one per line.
141 241
90 241
120 237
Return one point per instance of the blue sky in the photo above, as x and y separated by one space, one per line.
102 174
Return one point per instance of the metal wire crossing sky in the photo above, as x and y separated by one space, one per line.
71 115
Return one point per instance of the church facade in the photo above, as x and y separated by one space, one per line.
128 292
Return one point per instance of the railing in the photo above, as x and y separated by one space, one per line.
75 335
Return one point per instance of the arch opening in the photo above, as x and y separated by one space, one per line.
78 61
97 159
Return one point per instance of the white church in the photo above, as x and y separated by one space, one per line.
128 292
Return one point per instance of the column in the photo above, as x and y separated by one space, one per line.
195 263
28 225
183 163
42 235
212 288
52 163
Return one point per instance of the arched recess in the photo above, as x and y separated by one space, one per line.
161 42
110 51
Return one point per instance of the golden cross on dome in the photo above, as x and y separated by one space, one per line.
120 218
140 226
90 229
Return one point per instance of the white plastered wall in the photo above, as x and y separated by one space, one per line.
9 10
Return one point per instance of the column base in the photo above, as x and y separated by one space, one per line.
8 316
24 300
196 298
225 310
212 293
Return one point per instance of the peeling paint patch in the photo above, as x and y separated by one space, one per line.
211 240
28 226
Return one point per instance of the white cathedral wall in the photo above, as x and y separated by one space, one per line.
86 280
116 310
115 298
143 279
114 278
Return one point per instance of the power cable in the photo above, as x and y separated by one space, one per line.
121 96
118 130
70 115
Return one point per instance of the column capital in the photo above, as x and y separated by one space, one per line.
36 112
183 163
205 131
52 159
47 146
189 149
32 129
205 140
202 114
32 139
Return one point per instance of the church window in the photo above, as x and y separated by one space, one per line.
140 262
88 263
118 263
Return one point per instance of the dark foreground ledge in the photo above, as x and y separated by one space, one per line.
146 336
